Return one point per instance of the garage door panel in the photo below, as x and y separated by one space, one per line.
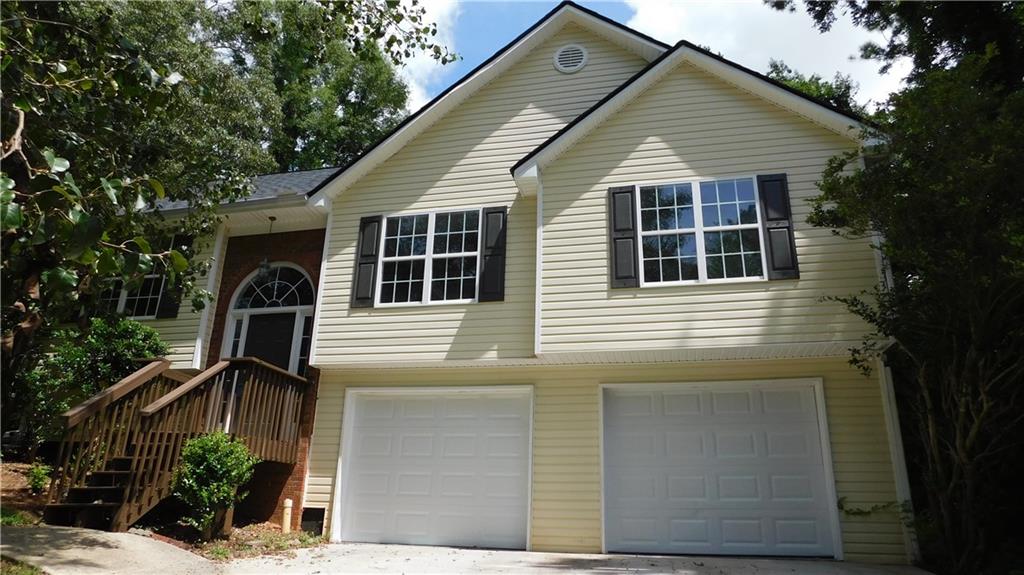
439 469
698 470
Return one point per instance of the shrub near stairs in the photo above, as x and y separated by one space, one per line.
212 469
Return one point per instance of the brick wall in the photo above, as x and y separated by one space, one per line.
273 482
243 256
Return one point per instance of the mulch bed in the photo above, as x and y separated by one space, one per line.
14 492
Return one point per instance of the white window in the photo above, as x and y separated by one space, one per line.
700 231
139 303
430 258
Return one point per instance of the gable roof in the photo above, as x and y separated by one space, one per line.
566 12
814 109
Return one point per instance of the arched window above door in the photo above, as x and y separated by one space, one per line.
280 286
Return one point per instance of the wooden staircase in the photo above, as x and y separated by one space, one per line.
121 446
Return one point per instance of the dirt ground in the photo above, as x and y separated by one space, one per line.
14 492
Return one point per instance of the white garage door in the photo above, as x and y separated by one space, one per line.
437 468
715 469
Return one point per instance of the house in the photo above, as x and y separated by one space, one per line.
572 304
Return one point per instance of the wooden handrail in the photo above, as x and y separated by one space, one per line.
75 415
184 388
106 424
270 366
253 401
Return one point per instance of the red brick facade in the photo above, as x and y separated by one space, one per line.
244 255
272 482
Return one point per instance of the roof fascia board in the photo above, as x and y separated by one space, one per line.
458 92
734 74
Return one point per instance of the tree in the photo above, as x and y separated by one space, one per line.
108 108
943 192
840 93
332 101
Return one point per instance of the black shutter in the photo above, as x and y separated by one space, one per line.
492 254
622 236
777 222
170 294
364 280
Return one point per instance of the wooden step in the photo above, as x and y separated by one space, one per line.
95 494
108 478
90 515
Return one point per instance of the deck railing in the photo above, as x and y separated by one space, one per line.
257 402
103 426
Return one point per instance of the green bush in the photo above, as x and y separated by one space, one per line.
82 363
212 469
39 477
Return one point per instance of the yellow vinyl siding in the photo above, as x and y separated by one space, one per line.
692 125
463 161
180 333
566 488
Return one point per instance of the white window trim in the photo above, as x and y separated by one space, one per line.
698 231
122 298
428 257
233 315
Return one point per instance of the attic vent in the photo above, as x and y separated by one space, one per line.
571 58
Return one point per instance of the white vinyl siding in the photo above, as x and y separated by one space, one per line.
566 489
180 333
692 127
463 160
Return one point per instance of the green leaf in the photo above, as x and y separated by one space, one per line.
6 183
143 244
145 263
178 261
60 278
56 164
157 187
131 263
84 235
10 216
107 263
108 188
69 181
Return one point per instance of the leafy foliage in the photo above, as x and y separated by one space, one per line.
79 364
331 102
110 108
39 477
213 467
840 92
943 192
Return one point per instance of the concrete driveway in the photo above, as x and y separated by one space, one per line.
367 558
74 551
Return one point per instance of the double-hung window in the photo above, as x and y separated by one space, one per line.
700 231
137 303
430 258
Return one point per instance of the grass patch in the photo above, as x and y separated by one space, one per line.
255 540
9 566
14 517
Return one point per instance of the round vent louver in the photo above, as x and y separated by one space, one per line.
571 58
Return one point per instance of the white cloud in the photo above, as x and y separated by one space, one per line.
420 71
750 33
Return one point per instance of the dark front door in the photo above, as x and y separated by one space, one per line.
270 337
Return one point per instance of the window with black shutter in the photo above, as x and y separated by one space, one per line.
701 231
452 256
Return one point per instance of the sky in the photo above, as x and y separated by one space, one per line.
744 31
